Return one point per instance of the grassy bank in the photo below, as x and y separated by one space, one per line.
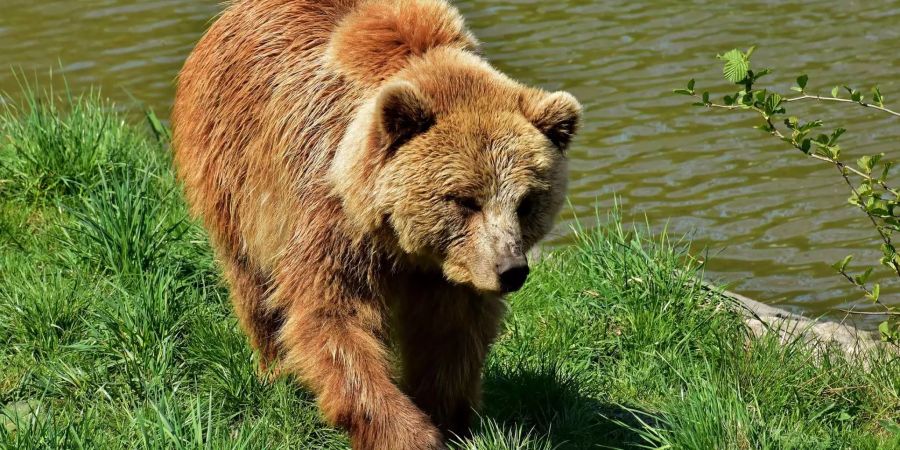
116 332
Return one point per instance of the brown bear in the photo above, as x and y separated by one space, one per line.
371 186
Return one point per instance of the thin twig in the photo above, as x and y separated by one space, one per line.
869 293
855 172
716 105
841 100
870 313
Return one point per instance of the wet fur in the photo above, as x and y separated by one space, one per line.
325 209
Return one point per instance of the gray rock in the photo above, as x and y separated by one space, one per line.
762 319
19 414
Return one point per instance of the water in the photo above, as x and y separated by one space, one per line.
772 220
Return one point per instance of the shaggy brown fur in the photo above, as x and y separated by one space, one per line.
371 186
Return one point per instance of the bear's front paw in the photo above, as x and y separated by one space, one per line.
426 439
269 373
411 431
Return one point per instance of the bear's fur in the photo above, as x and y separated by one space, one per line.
370 185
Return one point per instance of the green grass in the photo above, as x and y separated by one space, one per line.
116 332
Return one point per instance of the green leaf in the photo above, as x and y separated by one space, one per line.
736 66
755 76
765 127
885 170
835 135
876 159
864 189
876 291
682 92
801 82
862 279
841 266
885 329
690 85
750 52
761 96
835 91
772 103
877 98
866 163
810 125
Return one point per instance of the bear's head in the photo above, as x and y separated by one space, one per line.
462 167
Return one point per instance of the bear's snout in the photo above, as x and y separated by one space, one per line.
513 271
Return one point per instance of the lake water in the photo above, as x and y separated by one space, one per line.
773 221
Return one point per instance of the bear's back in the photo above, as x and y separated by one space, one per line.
266 96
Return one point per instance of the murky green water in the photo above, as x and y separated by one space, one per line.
771 219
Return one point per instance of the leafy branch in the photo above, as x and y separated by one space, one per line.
868 183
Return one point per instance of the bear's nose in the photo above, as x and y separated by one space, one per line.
513 273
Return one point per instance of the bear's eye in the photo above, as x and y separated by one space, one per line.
526 206
467 204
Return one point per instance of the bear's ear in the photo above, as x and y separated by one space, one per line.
557 115
402 113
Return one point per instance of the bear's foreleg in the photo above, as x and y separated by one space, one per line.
335 344
444 343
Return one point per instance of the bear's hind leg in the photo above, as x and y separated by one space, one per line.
249 289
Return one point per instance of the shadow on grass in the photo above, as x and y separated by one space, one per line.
552 404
